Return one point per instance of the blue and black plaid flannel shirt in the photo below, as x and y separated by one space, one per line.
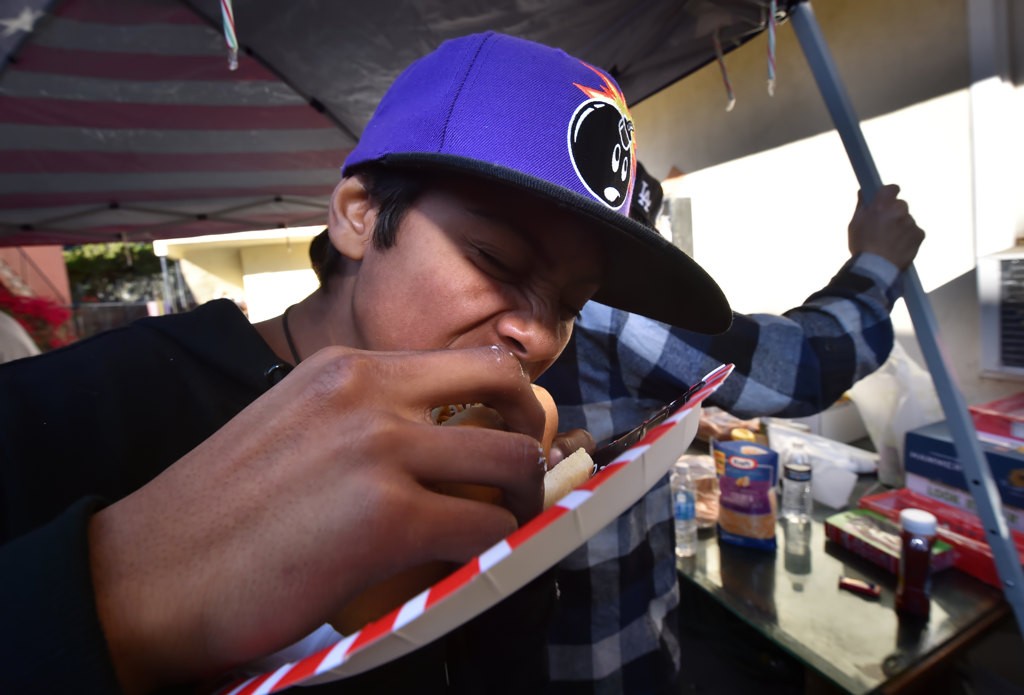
616 629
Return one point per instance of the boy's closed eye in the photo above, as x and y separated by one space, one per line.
495 265
500 270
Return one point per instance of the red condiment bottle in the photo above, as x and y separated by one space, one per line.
913 587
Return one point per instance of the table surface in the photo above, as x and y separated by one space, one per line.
792 597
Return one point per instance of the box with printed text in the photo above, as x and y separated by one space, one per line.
877 539
933 469
1002 418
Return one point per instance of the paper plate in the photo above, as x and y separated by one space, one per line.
504 568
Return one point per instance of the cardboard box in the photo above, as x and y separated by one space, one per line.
961 499
1002 418
959 528
877 539
933 470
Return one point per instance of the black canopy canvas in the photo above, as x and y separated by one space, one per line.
123 120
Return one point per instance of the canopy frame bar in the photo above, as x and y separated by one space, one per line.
965 437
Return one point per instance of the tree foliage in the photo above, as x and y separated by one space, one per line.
114 272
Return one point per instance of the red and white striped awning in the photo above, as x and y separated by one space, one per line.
122 119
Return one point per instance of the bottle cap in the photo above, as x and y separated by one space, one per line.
796 452
918 521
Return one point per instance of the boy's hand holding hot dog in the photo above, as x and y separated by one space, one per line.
564 472
332 443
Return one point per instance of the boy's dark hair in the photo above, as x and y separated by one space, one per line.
392 191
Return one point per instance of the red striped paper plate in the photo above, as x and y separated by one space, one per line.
506 566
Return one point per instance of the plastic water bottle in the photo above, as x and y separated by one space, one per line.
797 502
684 509
797 561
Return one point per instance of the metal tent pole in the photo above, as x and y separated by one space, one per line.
168 305
965 438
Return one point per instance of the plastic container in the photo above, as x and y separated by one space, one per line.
797 502
684 509
914 582
707 492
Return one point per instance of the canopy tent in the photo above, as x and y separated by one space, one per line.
123 120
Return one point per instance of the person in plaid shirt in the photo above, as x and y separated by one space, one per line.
617 626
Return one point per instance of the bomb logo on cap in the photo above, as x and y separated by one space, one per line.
601 144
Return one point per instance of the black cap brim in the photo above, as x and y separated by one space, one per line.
646 274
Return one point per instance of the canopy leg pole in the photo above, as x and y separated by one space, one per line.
167 285
965 438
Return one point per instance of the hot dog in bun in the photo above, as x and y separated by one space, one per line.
558 481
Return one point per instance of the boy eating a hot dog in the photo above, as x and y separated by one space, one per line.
486 202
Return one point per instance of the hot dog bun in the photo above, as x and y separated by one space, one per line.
550 418
481 416
571 472
381 598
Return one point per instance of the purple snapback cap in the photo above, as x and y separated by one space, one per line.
532 117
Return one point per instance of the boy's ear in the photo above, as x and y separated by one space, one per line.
351 218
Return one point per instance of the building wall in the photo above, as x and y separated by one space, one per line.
276 277
266 276
212 273
770 187
41 269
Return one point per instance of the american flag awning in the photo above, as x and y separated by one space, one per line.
121 119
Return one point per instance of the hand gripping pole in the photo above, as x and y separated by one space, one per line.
965 438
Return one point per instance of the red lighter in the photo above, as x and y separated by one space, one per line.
859 586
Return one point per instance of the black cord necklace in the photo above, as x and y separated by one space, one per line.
288 335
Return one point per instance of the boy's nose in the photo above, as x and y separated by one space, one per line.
535 338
